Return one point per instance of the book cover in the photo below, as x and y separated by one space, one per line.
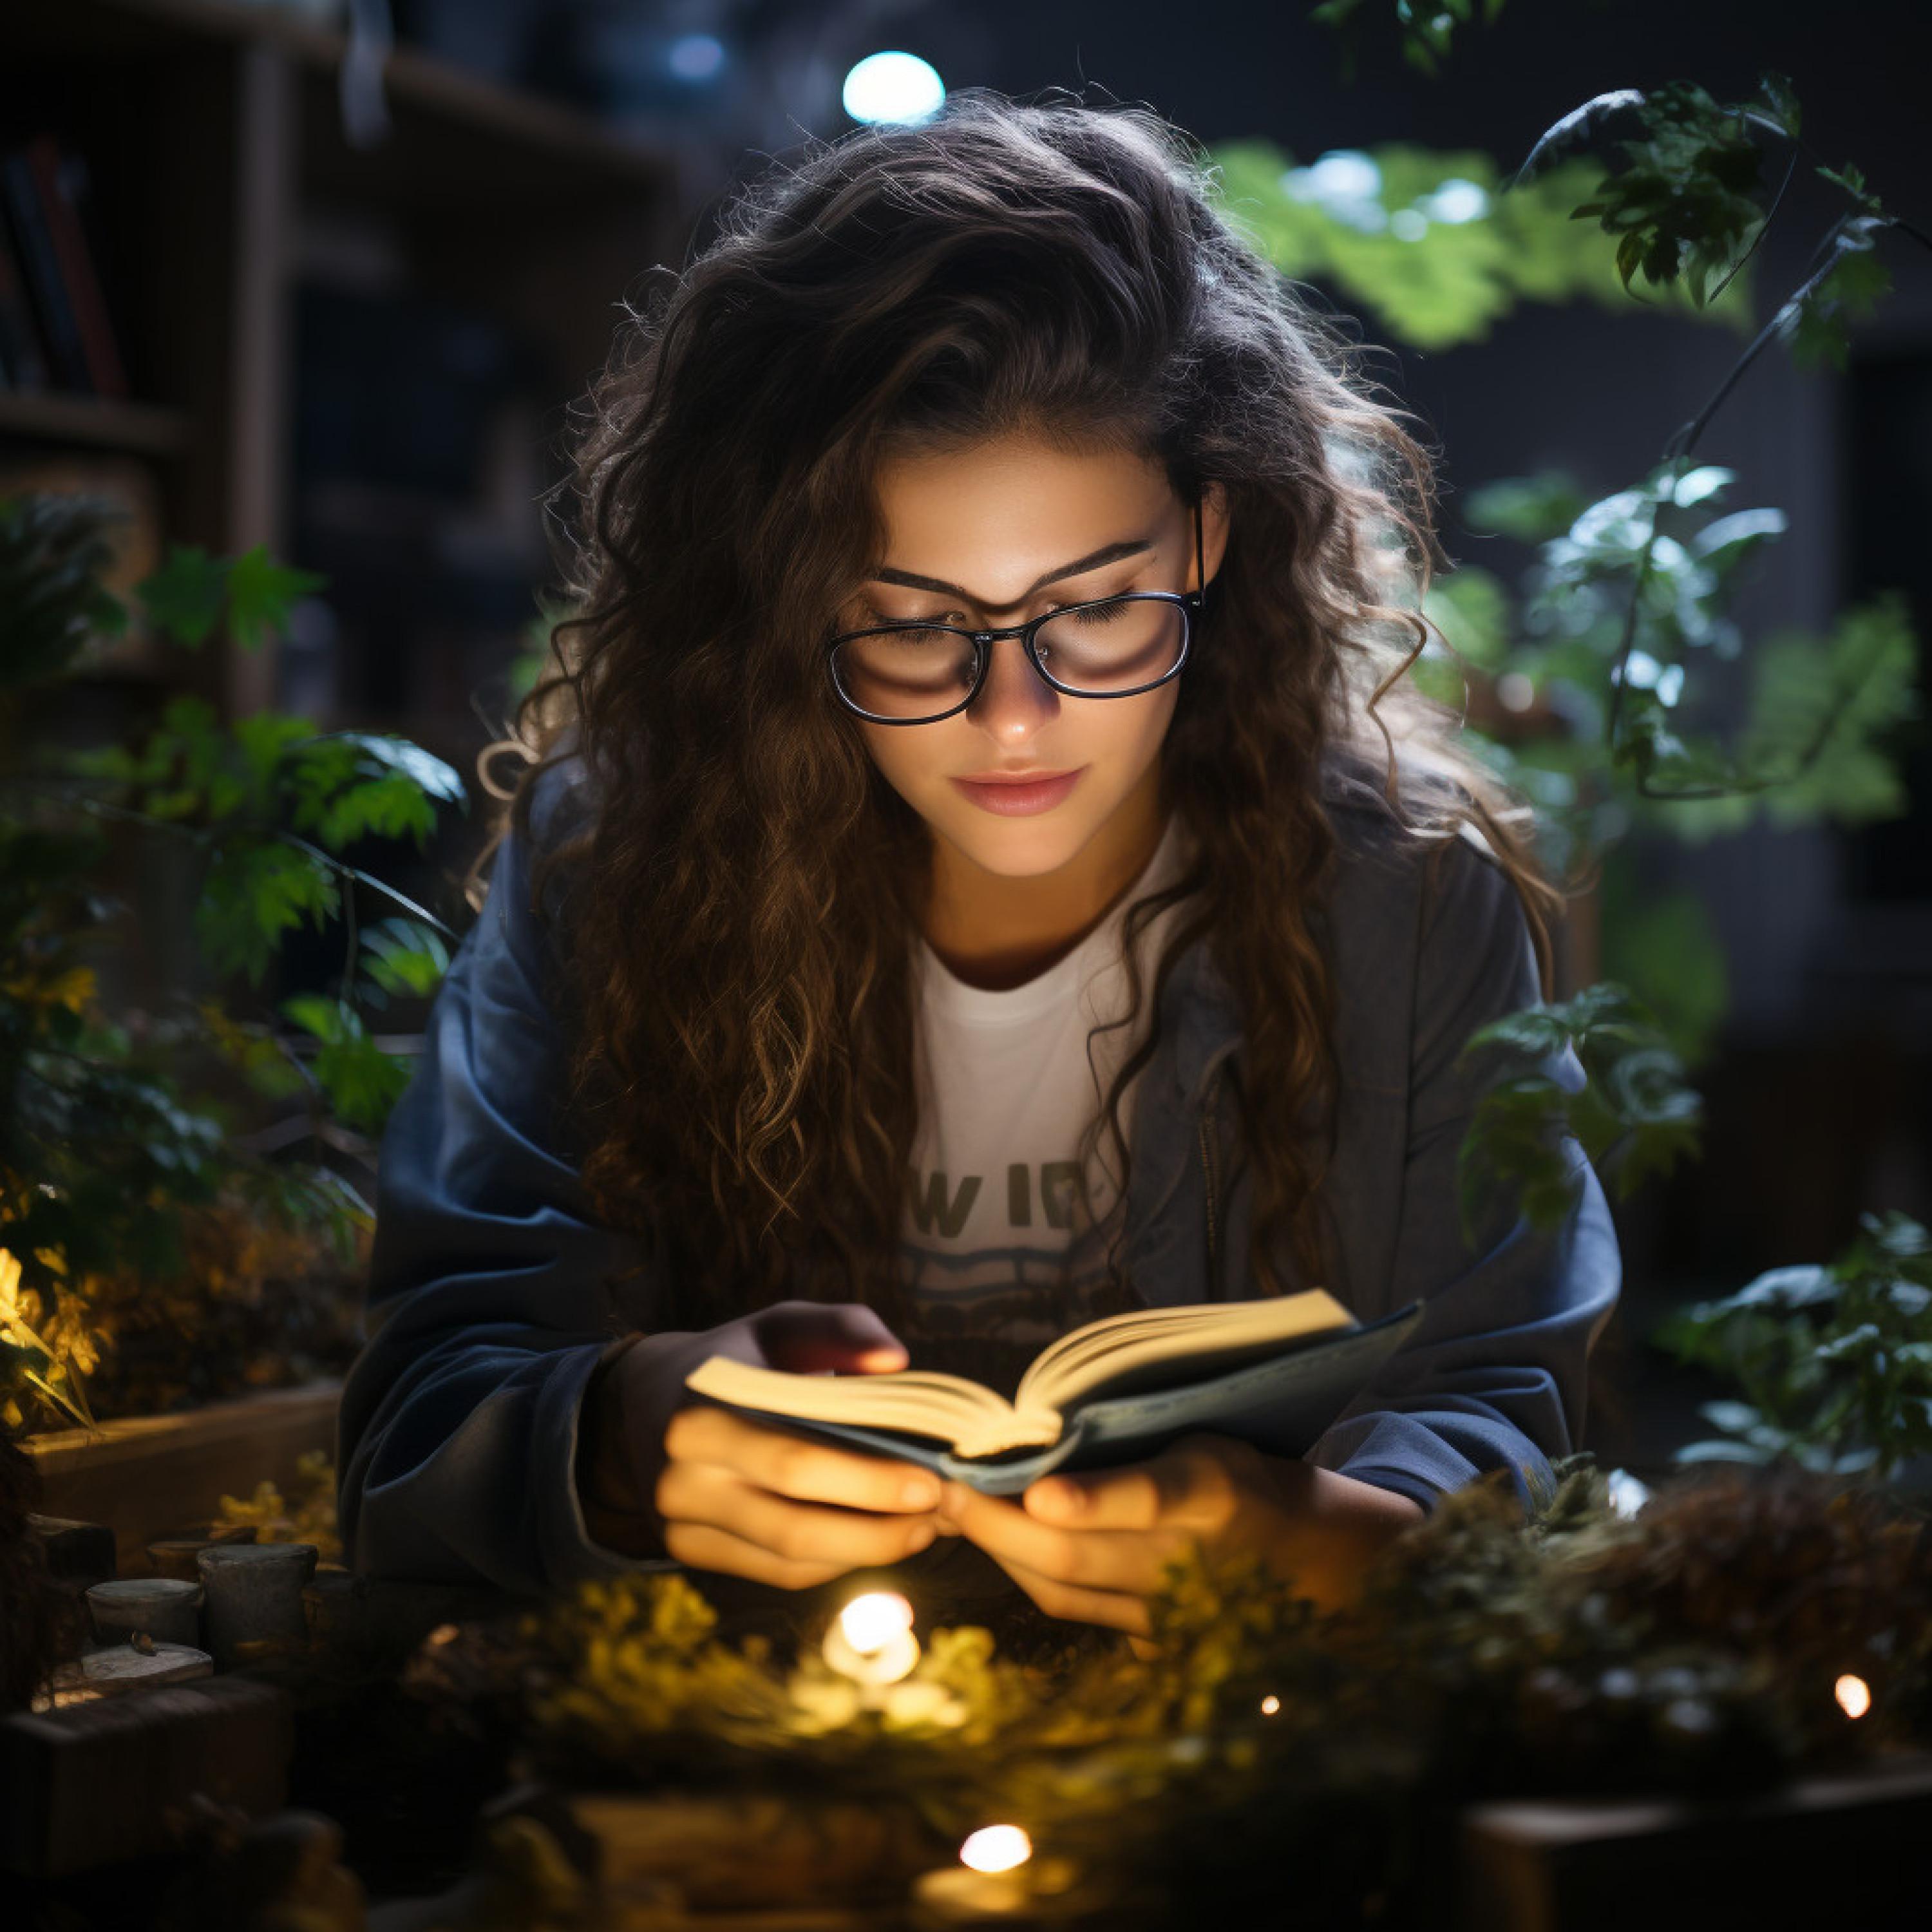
41 267
60 181
20 350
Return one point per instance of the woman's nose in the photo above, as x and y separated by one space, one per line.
1015 699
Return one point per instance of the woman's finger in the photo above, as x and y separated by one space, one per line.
1130 1498
1104 1559
791 1465
1116 1609
705 1546
705 1493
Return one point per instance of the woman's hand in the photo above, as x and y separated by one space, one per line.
1091 1548
669 1474
762 1502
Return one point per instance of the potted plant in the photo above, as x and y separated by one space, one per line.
181 1223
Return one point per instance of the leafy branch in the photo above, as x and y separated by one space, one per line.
1834 1362
1630 1110
1685 205
1428 27
118 1153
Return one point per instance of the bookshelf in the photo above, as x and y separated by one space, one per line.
238 219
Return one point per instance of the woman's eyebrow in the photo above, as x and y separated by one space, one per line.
1109 554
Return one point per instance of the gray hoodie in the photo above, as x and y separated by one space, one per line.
487 1311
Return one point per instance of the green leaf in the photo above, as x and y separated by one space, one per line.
54 550
406 957
362 1080
1633 1103
391 807
184 595
256 891
261 592
436 779
1665 946
1531 508
1820 710
1807 1286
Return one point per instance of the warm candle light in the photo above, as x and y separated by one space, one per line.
996 1848
1269 1705
1854 1696
871 1622
872 1639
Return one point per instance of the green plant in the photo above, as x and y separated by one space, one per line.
122 1150
1835 1361
1594 686
1634 1116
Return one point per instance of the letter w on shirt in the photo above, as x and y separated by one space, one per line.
934 1208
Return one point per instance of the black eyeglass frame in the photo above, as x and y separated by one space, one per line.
1193 605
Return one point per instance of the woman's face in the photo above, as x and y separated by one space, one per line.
1001 533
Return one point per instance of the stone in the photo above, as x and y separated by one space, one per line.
164 1608
254 1599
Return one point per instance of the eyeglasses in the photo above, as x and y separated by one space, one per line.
914 673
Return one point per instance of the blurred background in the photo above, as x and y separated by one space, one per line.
328 278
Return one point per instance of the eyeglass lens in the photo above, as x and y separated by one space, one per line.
1096 649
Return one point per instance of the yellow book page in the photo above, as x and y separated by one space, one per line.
1131 1350
966 1415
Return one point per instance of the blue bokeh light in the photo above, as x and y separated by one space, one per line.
696 56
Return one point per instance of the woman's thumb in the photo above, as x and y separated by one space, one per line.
809 1337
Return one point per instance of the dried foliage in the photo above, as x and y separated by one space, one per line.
1699 1645
310 1518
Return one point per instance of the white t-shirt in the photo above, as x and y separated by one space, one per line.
1004 1235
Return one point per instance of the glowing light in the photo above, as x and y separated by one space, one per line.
1628 1494
1854 1696
892 86
1459 200
1514 692
696 56
871 1622
872 1639
1408 224
1346 174
996 1848
1270 1704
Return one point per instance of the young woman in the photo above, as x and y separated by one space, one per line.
983 727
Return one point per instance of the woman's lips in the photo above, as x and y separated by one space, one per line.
1022 800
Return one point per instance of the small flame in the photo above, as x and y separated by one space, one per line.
1269 1705
996 1848
871 1622
1854 1696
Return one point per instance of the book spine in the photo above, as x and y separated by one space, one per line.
20 341
56 182
43 276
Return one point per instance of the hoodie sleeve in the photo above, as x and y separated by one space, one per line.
456 1437
1495 1374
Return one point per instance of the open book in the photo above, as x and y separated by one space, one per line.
1274 1372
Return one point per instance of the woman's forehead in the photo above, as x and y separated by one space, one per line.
996 532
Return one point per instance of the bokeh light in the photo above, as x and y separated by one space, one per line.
696 56
892 86
996 1848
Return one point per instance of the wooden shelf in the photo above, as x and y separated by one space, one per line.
215 133
411 79
52 416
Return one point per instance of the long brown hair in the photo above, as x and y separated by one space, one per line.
740 964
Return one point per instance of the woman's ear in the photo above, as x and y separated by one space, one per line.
1214 527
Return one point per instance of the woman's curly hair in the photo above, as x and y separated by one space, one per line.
743 995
